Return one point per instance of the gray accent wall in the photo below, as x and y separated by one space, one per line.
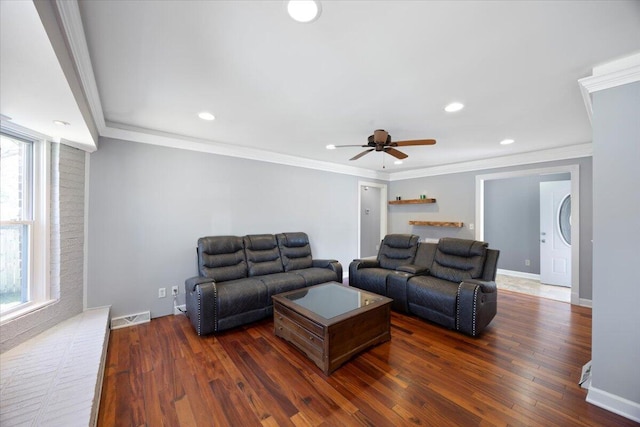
150 204
616 234
456 201
512 219
66 249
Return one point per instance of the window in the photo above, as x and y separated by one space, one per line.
24 219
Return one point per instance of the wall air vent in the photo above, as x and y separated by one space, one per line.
130 320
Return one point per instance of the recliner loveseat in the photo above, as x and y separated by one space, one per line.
451 283
238 275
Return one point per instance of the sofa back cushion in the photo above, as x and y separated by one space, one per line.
295 251
221 258
459 259
397 250
263 255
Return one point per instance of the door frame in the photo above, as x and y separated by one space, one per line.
383 209
574 170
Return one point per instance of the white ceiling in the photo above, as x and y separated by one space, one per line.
277 86
33 89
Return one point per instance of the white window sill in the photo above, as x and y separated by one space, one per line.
24 309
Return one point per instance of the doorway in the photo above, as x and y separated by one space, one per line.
372 217
555 233
573 170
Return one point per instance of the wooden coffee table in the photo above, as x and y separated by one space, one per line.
331 322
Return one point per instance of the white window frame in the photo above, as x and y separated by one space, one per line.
39 237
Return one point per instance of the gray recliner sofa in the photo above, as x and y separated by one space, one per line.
451 283
238 275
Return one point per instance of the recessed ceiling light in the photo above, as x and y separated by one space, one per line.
331 147
206 116
60 123
304 10
397 162
507 141
453 107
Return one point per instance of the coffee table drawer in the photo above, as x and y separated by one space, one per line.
308 343
281 313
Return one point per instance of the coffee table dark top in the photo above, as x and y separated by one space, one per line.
331 299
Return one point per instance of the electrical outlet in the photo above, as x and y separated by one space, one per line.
174 290
527 262
471 226
162 292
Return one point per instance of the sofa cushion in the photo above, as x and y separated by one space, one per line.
221 258
397 250
295 251
315 275
458 259
277 283
263 255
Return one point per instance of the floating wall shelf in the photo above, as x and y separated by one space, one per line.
437 223
411 201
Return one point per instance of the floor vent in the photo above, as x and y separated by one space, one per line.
130 320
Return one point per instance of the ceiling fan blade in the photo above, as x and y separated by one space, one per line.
358 145
395 153
361 154
414 142
380 136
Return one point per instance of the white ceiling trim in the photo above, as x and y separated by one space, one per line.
612 74
147 136
562 153
73 29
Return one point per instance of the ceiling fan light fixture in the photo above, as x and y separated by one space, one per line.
304 11
507 141
331 147
453 107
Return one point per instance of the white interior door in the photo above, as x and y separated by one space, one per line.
555 233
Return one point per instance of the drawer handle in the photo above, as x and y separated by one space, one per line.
279 317
310 338
279 328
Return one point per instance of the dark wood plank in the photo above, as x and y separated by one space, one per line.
523 370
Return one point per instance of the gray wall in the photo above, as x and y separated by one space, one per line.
150 204
67 249
616 233
512 219
370 221
456 201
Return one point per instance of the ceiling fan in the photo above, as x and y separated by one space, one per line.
381 141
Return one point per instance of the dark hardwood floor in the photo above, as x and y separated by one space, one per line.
522 371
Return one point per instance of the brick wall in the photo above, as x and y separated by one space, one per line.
66 249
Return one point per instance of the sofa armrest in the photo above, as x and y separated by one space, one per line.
330 264
365 263
202 305
191 283
486 286
414 269
477 304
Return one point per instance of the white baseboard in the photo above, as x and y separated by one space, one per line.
616 404
521 274
585 302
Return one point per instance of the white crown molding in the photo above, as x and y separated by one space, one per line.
609 75
147 136
71 21
553 154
